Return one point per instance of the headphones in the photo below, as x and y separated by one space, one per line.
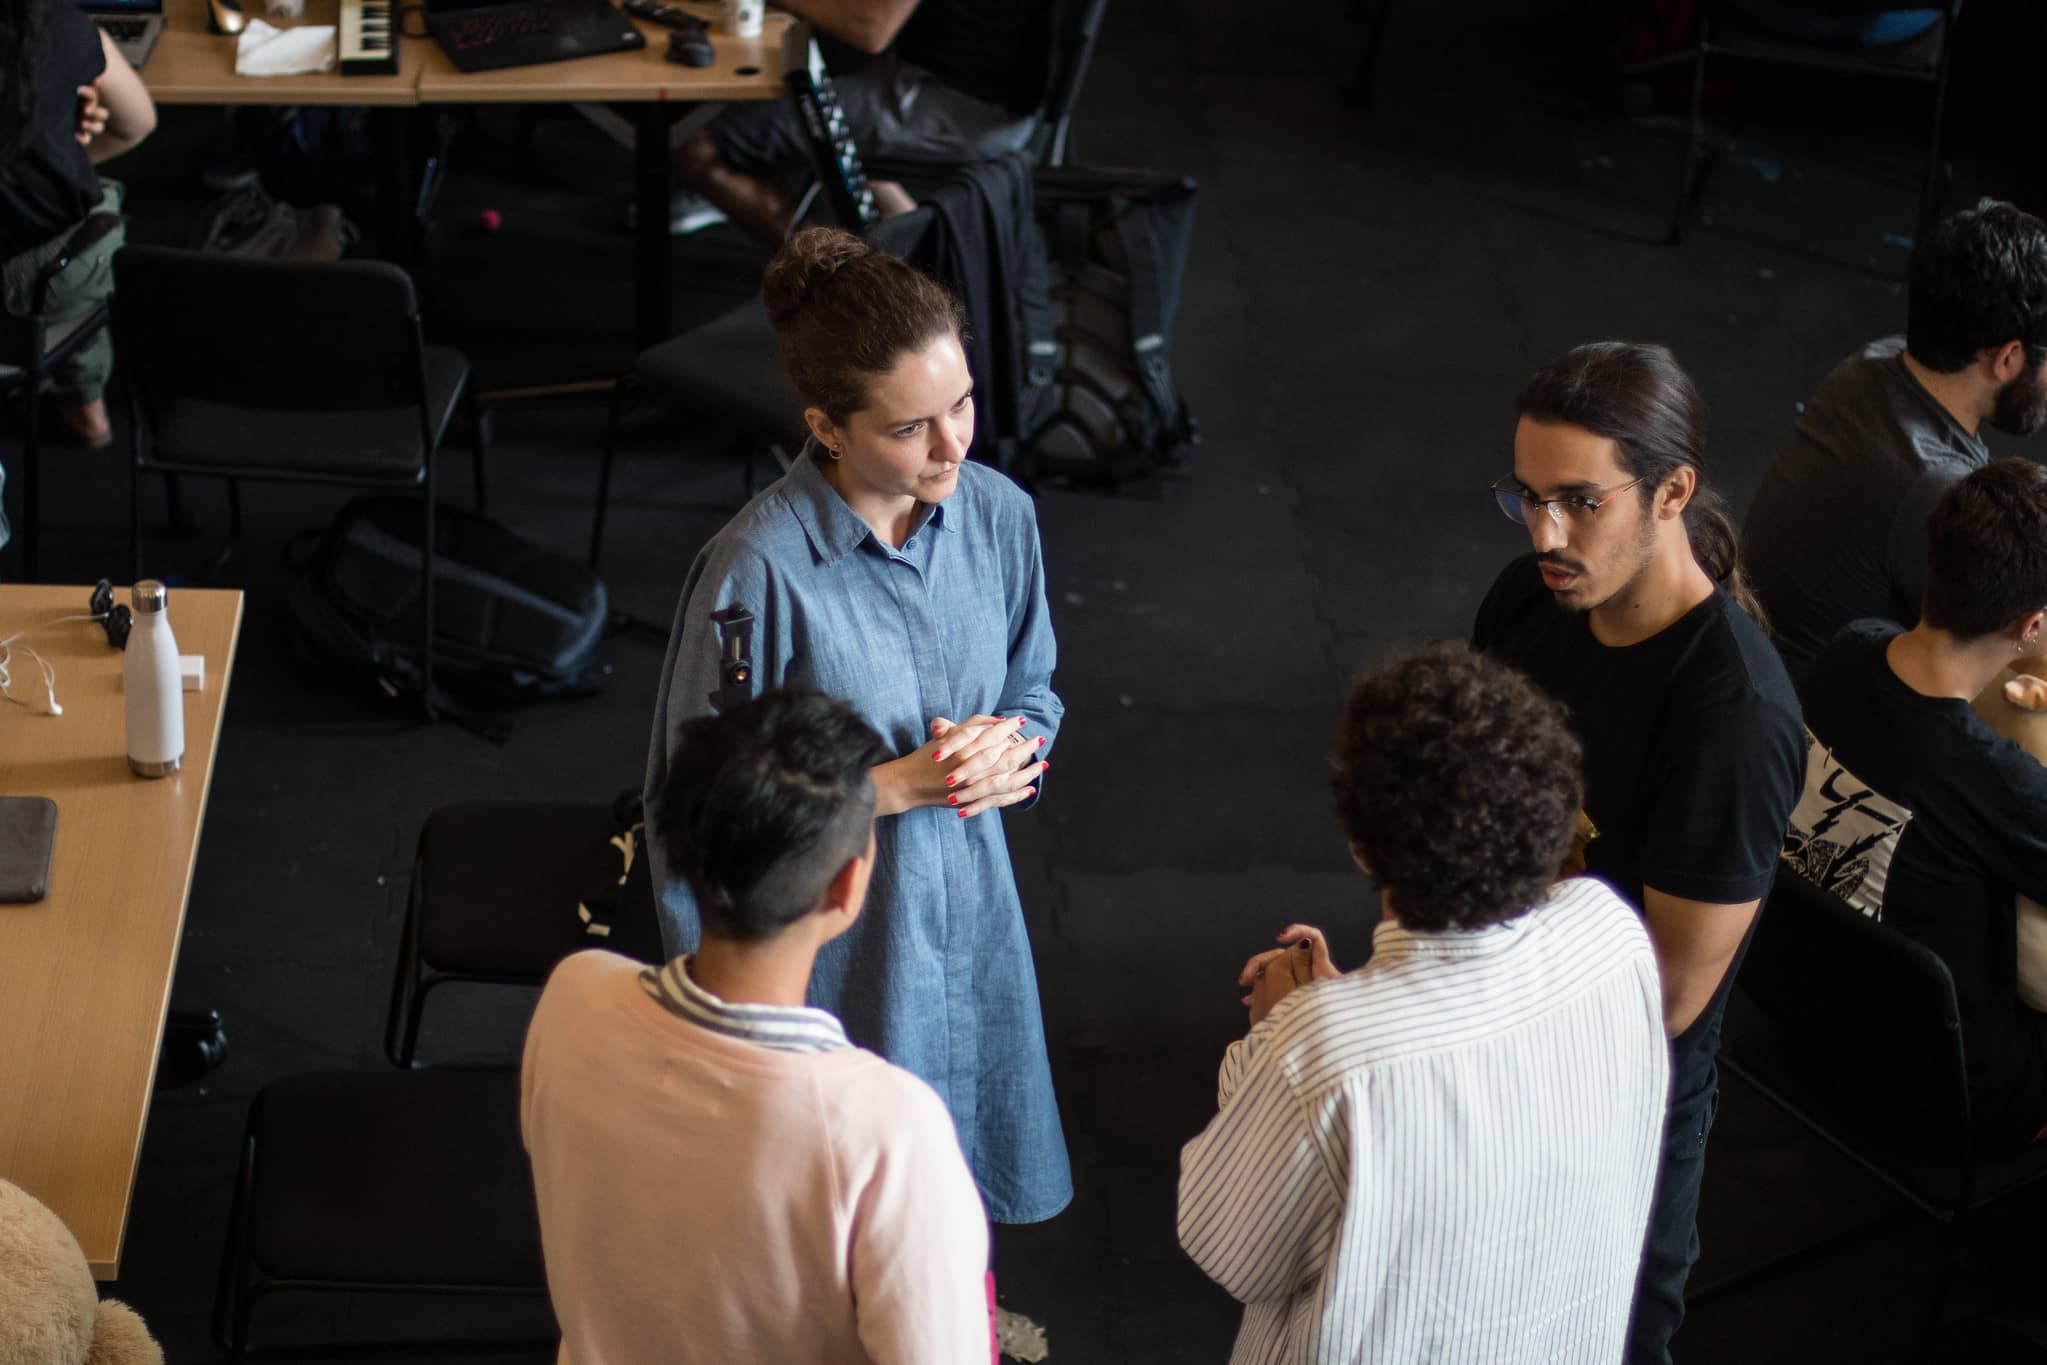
116 620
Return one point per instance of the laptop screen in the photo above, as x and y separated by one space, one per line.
121 6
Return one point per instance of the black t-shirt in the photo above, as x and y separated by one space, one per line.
1693 752
49 185
1837 531
998 51
1917 812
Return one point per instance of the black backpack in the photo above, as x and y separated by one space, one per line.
514 622
1108 412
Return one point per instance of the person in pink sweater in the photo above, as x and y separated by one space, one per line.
721 1176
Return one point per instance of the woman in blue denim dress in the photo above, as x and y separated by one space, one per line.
887 570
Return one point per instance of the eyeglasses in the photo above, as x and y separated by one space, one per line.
1519 505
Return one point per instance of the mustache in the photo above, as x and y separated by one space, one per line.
1559 563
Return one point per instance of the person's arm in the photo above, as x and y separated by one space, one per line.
870 25
130 112
1695 943
920 1239
1256 1202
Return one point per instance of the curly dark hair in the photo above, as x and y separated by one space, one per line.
1978 281
1458 783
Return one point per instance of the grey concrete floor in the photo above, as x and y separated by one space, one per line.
1367 291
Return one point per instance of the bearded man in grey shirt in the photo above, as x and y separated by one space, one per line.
1837 531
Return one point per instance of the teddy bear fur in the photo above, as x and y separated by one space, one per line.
50 1311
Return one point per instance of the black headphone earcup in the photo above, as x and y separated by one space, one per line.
102 598
118 622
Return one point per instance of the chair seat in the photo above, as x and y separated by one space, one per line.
410 1178
499 882
1757 1050
378 443
732 366
1915 59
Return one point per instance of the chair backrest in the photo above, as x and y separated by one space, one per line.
1077 28
338 336
1870 1014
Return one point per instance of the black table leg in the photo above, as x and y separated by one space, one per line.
397 224
653 184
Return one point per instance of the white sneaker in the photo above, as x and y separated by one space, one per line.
687 212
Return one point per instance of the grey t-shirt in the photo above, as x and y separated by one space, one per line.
1837 531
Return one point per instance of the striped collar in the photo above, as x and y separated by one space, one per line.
780 1027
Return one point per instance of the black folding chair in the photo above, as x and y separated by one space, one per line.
1856 1034
30 348
288 371
494 896
384 1183
1923 60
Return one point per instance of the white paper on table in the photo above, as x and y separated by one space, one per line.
266 50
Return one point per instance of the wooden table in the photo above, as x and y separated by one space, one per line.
744 69
193 66
85 974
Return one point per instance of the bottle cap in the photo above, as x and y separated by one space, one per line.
148 596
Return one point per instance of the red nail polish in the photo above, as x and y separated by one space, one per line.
950 780
963 815
952 800
1041 741
1043 764
938 758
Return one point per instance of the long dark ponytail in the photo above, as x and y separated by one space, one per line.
1637 396
21 33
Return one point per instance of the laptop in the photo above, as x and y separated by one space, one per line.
483 35
134 25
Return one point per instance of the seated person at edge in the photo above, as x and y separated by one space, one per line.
68 100
1914 811
948 81
1448 1153
721 1175
1837 531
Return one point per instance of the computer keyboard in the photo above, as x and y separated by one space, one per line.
501 26
124 30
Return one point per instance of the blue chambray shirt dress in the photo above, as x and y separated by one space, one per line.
937 974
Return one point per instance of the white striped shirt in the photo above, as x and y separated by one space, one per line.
1447 1154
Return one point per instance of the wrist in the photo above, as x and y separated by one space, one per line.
887 793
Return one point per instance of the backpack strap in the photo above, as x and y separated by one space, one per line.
1133 223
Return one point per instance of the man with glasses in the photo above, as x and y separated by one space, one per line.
1634 613
1915 811
1837 531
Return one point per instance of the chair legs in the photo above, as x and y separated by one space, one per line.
614 408
31 477
426 606
1358 92
1933 184
478 418
1688 164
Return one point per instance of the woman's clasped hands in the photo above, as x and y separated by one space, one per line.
979 764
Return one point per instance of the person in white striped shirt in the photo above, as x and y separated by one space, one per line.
1448 1153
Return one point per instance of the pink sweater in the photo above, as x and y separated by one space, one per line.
707 1199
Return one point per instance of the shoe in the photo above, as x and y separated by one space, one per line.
687 212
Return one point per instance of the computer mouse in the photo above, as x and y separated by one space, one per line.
692 47
225 16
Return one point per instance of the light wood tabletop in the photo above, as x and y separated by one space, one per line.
193 66
85 974
744 69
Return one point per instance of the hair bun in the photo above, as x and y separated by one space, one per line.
804 265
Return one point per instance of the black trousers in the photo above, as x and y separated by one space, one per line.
1672 1242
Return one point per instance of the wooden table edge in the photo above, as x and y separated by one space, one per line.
111 1270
